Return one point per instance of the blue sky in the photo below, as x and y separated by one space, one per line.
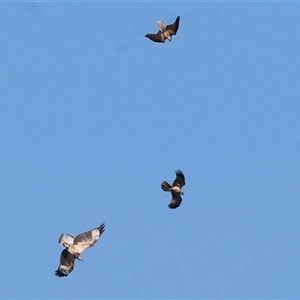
94 117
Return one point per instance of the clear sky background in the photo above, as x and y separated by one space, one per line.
94 116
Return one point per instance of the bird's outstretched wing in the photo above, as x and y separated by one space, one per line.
176 200
66 264
173 27
88 239
179 180
158 37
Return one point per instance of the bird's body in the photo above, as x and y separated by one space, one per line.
74 247
165 32
175 189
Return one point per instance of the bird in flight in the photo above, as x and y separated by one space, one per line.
74 247
165 32
175 189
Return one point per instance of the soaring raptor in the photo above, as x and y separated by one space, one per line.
74 247
165 32
175 189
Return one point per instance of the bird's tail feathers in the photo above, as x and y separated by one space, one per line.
161 25
66 240
166 186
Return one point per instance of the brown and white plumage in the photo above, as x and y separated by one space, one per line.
175 189
165 32
66 264
75 246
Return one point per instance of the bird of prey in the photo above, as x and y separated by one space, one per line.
74 247
165 32
175 189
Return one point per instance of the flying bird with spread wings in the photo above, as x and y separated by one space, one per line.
74 247
175 189
165 32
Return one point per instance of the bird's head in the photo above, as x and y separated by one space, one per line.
77 255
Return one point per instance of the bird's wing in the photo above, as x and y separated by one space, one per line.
158 37
176 200
173 27
66 264
88 239
165 186
66 240
179 180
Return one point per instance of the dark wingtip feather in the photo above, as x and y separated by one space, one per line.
102 228
173 206
59 273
